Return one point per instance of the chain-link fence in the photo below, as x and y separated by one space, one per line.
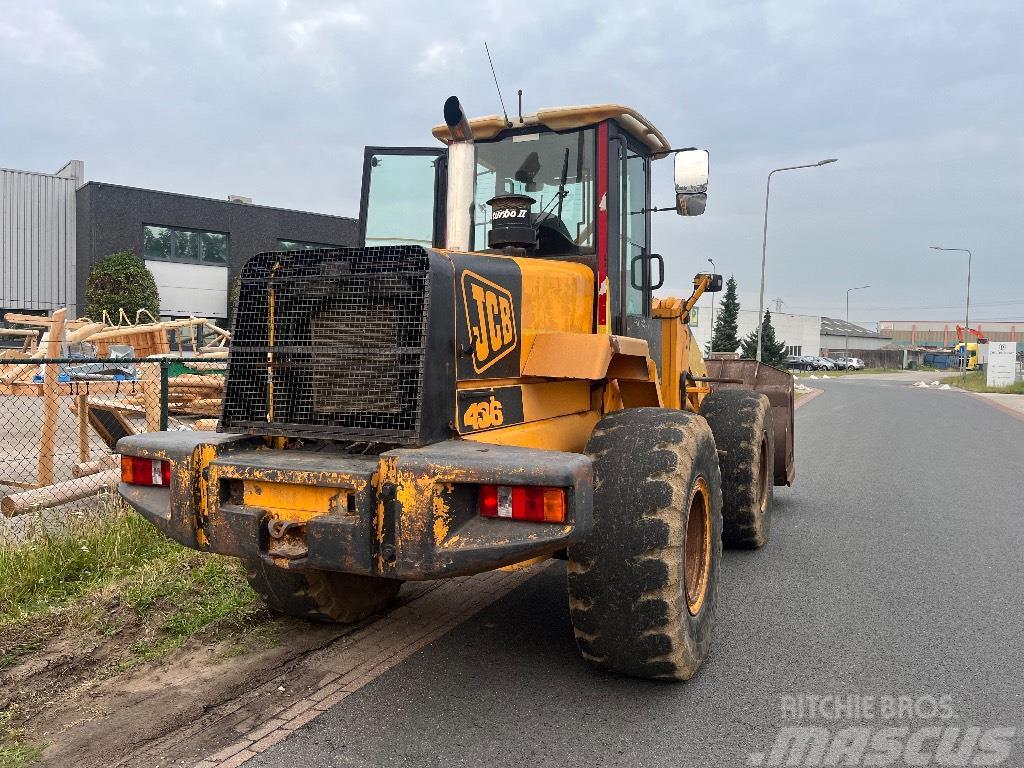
61 418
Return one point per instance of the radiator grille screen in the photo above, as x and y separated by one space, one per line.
330 343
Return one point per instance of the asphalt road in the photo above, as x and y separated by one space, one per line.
894 569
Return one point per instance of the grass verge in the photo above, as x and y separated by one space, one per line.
119 590
120 558
976 382
14 752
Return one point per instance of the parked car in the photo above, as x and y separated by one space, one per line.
839 364
854 363
820 363
799 363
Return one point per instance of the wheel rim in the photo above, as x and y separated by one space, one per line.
762 474
697 554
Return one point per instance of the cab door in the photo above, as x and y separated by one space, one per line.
403 196
640 271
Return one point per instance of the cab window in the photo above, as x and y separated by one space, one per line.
634 229
555 169
398 205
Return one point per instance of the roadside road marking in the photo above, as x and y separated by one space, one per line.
995 403
802 401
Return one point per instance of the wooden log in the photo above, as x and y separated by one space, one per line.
196 380
51 398
152 390
85 468
82 412
209 365
86 331
40 320
59 493
131 330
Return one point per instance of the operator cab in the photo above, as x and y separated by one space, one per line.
564 183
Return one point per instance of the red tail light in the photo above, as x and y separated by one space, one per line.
523 502
136 471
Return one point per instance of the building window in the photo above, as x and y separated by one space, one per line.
184 245
794 351
300 245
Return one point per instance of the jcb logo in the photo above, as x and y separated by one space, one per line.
491 319
483 415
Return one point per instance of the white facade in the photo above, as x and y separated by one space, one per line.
800 332
37 238
191 289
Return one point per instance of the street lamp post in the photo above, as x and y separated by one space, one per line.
711 343
764 240
967 311
858 288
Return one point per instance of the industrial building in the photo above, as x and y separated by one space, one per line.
942 333
54 227
802 333
837 335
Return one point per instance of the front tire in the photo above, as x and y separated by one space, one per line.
741 421
342 598
643 587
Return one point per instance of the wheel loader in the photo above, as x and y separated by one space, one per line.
487 381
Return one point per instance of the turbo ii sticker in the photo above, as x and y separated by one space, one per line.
488 328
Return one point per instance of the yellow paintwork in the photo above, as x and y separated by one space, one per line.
558 296
206 454
587 356
563 433
293 501
567 118
679 354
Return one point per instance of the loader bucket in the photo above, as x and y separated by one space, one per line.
777 386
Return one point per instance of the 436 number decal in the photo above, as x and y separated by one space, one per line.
484 415
490 408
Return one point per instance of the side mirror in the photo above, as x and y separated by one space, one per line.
691 176
714 284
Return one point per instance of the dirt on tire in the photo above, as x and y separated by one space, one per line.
627 597
741 421
341 598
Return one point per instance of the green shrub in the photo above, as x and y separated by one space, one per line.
120 281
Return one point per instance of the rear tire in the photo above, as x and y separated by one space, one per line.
643 586
741 421
341 598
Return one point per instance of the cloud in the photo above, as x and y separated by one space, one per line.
35 37
438 58
276 99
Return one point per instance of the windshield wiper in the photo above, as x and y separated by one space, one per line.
561 194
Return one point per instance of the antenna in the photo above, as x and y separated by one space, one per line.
497 87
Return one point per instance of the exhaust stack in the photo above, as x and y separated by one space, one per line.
456 119
461 170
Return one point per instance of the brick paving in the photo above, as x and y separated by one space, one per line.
234 732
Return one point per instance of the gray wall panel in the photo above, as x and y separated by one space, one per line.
37 247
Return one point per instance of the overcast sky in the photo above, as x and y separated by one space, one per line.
922 102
